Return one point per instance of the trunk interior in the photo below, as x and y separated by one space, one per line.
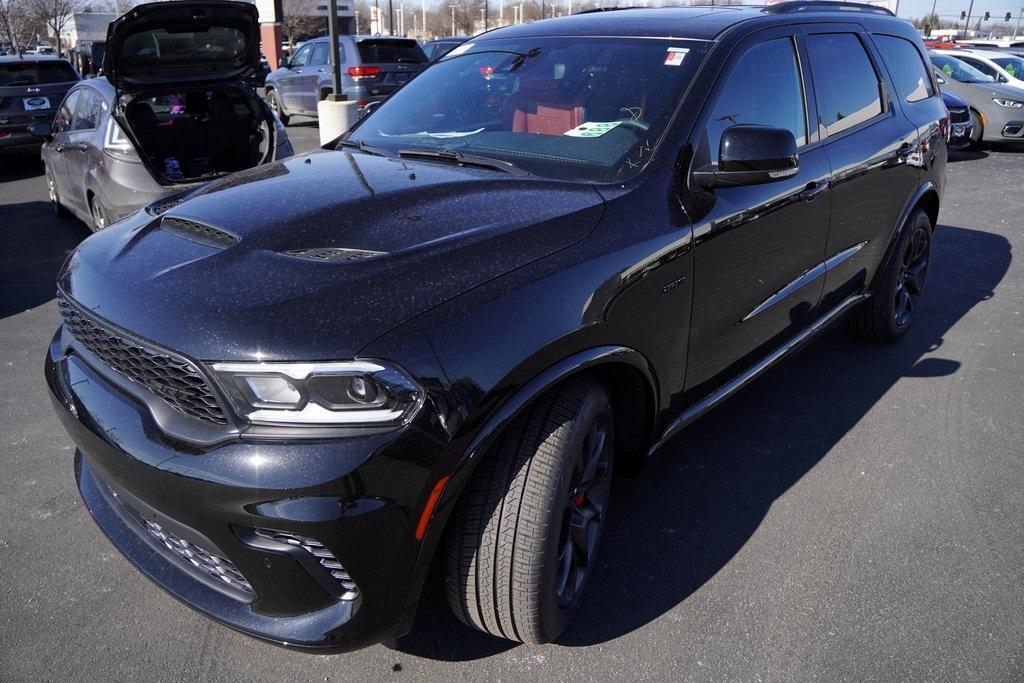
194 134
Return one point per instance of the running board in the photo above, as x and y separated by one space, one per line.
698 409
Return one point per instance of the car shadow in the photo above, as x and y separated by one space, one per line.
35 244
966 154
697 504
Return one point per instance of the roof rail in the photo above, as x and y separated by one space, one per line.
825 6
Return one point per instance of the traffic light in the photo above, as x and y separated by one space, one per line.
987 15
963 15
1007 17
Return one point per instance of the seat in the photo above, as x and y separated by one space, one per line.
146 128
228 135
538 107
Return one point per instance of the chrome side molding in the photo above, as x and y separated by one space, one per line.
698 409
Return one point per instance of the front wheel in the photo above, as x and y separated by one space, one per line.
977 129
894 305
522 544
275 106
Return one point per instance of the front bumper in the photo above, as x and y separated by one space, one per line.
360 497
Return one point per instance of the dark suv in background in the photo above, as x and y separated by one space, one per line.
292 386
31 89
372 67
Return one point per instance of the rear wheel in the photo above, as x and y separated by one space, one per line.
275 106
522 544
99 216
894 305
51 190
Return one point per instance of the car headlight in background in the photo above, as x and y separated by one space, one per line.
349 393
1012 104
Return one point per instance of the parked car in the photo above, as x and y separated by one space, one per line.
294 385
1001 67
372 68
31 87
960 127
435 49
997 110
157 125
88 56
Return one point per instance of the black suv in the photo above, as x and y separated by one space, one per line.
530 267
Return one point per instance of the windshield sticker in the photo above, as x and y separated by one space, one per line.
1010 70
455 52
592 129
947 69
676 55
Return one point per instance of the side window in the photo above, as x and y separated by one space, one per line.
319 54
87 111
765 88
847 84
907 68
301 57
980 66
62 121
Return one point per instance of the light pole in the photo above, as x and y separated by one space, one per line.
1020 14
423 7
453 19
967 25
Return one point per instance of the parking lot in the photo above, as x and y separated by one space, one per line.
857 513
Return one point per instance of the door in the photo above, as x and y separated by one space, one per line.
875 153
55 162
291 83
758 248
80 150
983 67
317 70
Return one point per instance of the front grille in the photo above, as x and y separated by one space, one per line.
349 590
959 115
333 254
217 567
175 380
197 232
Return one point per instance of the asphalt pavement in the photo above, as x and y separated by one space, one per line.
858 513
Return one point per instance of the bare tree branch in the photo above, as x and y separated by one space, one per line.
56 14
15 24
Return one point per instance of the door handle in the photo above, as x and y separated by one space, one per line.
813 190
81 146
905 150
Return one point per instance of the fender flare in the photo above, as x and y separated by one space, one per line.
486 435
926 188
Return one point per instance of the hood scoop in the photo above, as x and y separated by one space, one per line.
332 254
197 232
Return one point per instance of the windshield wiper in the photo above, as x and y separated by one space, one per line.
462 159
363 147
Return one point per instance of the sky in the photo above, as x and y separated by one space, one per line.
953 8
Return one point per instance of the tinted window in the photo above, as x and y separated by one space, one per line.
33 73
846 82
980 66
301 58
953 68
384 51
319 54
166 48
88 110
906 67
1011 65
763 88
67 108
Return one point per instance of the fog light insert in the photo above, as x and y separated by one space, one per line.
347 589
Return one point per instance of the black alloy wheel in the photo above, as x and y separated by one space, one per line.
913 272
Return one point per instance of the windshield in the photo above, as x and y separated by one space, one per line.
35 73
1011 65
959 71
589 109
167 48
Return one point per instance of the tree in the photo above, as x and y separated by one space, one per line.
56 14
299 19
15 24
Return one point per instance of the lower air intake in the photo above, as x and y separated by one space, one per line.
349 590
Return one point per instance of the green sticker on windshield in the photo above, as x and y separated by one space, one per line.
947 69
1011 70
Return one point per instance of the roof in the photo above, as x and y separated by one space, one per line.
978 52
694 23
5 59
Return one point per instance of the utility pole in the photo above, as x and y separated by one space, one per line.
391 17
1016 31
332 32
487 16
967 25
423 7
453 19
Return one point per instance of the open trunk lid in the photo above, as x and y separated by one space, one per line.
186 41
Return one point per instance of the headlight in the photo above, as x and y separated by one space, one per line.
350 393
1012 104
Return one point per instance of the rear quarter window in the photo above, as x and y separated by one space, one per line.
848 88
907 67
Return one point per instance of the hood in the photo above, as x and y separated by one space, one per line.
186 41
951 100
314 257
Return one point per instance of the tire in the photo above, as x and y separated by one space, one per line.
977 130
276 107
99 216
514 568
51 189
888 314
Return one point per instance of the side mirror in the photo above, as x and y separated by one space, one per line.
751 155
41 130
370 107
